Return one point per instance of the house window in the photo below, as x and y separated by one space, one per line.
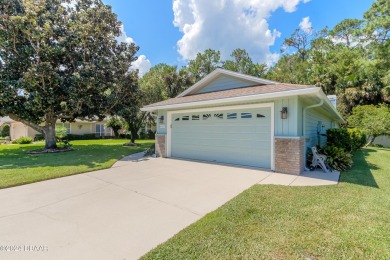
206 116
195 117
66 125
102 130
185 118
231 115
177 119
260 115
246 115
220 116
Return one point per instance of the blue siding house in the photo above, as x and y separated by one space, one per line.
231 118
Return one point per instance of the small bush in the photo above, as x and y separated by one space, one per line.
339 137
151 135
337 157
23 140
358 138
39 137
71 137
5 131
125 136
142 135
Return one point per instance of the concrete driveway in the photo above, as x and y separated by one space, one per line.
118 213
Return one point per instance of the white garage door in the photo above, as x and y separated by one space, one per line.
235 136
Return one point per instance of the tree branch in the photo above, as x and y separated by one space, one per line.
33 126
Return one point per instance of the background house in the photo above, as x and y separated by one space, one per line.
79 127
229 117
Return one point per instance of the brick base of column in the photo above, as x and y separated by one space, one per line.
289 155
160 146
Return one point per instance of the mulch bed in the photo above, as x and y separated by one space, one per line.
54 150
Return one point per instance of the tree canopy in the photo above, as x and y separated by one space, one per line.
60 61
374 120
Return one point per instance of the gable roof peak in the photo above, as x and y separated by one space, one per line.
219 72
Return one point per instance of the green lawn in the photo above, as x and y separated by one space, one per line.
346 221
17 167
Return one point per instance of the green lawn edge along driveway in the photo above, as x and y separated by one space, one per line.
17 167
350 220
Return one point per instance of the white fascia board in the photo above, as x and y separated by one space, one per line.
219 72
313 90
331 106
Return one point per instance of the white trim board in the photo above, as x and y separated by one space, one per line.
236 107
313 90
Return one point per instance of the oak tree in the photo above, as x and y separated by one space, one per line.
60 60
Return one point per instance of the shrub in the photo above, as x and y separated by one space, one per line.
125 136
61 132
151 134
142 135
358 138
5 131
82 137
23 140
339 137
39 137
337 157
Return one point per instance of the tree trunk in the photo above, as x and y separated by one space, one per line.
370 140
134 134
49 131
116 132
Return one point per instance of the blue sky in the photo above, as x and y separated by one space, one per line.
173 31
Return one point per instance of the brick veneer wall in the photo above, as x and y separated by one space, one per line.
160 146
289 155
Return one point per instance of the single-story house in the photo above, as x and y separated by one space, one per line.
79 127
228 117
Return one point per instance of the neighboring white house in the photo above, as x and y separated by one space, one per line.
229 117
79 127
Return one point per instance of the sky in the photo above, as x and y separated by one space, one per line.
175 31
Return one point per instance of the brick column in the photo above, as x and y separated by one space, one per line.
289 155
160 146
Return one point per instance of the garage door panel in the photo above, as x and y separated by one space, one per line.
244 141
236 145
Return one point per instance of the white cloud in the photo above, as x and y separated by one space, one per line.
124 38
226 25
306 1
142 64
305 24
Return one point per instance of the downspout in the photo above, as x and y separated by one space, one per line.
304 125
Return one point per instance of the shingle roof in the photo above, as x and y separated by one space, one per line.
237 92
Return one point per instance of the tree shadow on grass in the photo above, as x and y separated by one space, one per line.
89 156
360 173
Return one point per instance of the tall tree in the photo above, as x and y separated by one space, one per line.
164 81
59 61
243 63
347 31
374 120
299 41
204 64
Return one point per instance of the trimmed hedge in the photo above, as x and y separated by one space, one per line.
23 140
348 139
72 137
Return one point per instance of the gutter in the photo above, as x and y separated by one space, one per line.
304 125
254 97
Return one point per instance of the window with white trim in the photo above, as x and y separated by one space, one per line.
231 116
246 115
102 130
